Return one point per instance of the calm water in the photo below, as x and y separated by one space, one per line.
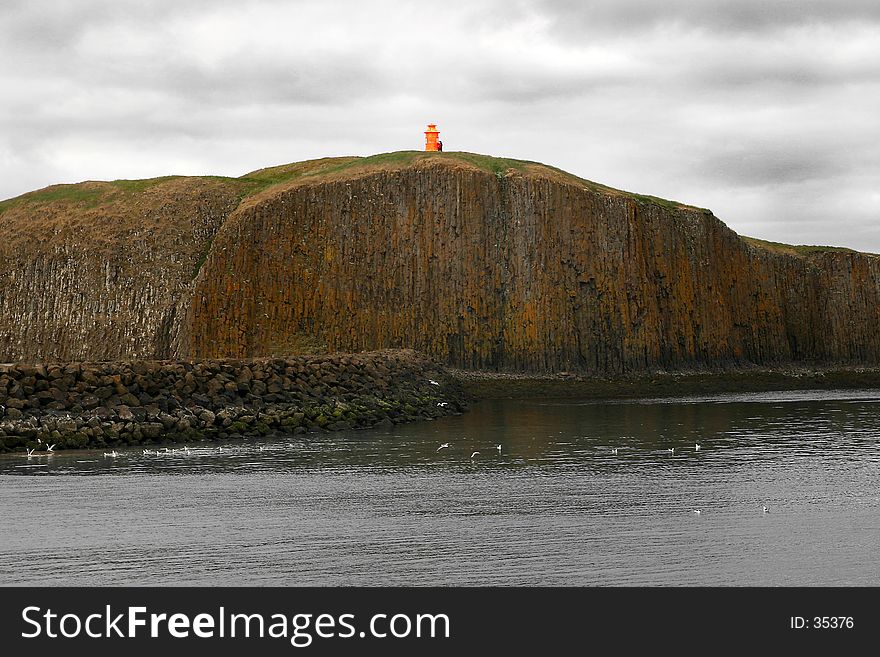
555 507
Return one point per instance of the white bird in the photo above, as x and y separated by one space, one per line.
442 404
474 454
671 450
50 448
697 511
113 454
443 446
262 447
39 441
498 447
433 382
697 447
219 449
31 452
614 450
766 509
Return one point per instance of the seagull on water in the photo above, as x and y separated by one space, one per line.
698 511
31 451
697 447
614 450
671 450
766 509
443 446
50 448
473 455
113 454
498 447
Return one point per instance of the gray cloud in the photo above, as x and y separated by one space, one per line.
751 166
763 111
573 17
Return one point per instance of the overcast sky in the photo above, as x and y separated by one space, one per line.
765 111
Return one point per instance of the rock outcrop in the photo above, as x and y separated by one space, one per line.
113 404
100 271
481 263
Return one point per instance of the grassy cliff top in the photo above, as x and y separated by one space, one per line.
330 168
92 194
799 249
121 193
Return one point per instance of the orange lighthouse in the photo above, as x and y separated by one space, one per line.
432 138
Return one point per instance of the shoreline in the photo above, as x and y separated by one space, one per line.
118 404
105 405
509 385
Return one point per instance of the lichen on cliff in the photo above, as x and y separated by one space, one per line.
484 263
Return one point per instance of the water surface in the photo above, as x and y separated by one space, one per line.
555 506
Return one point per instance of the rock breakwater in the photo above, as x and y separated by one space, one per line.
110 404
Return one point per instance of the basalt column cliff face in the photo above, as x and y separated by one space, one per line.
98 271
481 263
526 269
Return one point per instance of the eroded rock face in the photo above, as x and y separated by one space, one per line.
100 272
526 270
522 272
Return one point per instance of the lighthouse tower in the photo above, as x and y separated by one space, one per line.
432 137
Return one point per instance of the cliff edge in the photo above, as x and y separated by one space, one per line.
481 262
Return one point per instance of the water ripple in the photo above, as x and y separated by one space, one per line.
556 506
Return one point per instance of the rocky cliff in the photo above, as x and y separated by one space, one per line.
481 262
100 270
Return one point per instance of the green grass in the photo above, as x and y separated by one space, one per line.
487 163
666 203
639 198
800 249
265 178
257 181
131 187
138 186
90 194
494 165
74 194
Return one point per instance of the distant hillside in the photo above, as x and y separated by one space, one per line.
485 263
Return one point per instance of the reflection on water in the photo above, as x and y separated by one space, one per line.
555 506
